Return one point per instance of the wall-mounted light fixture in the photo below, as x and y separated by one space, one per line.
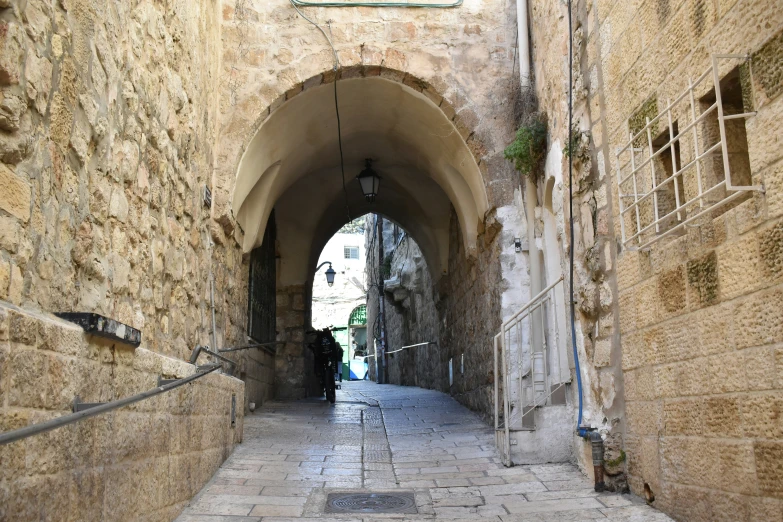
329 272
369 180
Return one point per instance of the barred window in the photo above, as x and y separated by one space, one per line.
351 252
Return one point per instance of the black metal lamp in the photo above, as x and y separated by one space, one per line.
329 272
369 180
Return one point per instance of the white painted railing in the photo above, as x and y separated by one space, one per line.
530 363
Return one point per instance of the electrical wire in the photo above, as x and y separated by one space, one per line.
340 144
337 69
334 51
580 430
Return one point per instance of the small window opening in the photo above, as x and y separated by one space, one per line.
666 164
351 252
731 90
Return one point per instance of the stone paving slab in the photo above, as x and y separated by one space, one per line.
381 438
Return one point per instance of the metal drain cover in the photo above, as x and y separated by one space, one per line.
387 502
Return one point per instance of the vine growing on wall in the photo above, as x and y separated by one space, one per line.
528 149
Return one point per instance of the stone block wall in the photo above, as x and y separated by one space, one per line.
700 318
461 58
108 119
141 462
595 294
411 318
470 316
107 128
294 377
461 312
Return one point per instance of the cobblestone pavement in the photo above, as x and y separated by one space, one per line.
385 438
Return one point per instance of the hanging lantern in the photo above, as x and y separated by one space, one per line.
369 180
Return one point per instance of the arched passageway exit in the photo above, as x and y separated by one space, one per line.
431 185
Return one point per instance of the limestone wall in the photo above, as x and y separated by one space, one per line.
596 317
107 132
461 57
461 313
141 462
411 318
107 129
699 314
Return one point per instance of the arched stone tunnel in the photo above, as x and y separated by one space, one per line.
292 164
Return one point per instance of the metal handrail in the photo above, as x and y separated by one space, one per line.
199 349
35 429
262 346
403 348
532 302
412 346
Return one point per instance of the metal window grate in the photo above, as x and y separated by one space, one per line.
351 252
358 316
262 291
669 179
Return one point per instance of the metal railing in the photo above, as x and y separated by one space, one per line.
404 348
528 349
84 411
671 184
262 346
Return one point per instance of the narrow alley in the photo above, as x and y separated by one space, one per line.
298 456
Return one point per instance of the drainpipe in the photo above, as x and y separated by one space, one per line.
524 48
536 286
597 444
536 281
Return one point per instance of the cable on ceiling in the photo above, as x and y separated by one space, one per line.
337 68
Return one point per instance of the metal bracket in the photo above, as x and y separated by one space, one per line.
164 382
78 405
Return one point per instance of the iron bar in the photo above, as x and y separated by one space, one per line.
42 427
411 346
198 349
728 199
262 346
683 169
531 302
677 100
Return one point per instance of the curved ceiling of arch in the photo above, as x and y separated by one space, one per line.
302 235
292 164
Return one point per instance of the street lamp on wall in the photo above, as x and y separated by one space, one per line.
369 180
329 272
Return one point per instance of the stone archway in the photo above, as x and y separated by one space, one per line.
418 142
427 155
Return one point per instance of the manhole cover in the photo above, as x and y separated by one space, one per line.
397 502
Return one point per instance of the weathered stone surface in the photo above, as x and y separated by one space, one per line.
15 194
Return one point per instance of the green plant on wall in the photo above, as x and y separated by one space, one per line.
579 148
528 149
